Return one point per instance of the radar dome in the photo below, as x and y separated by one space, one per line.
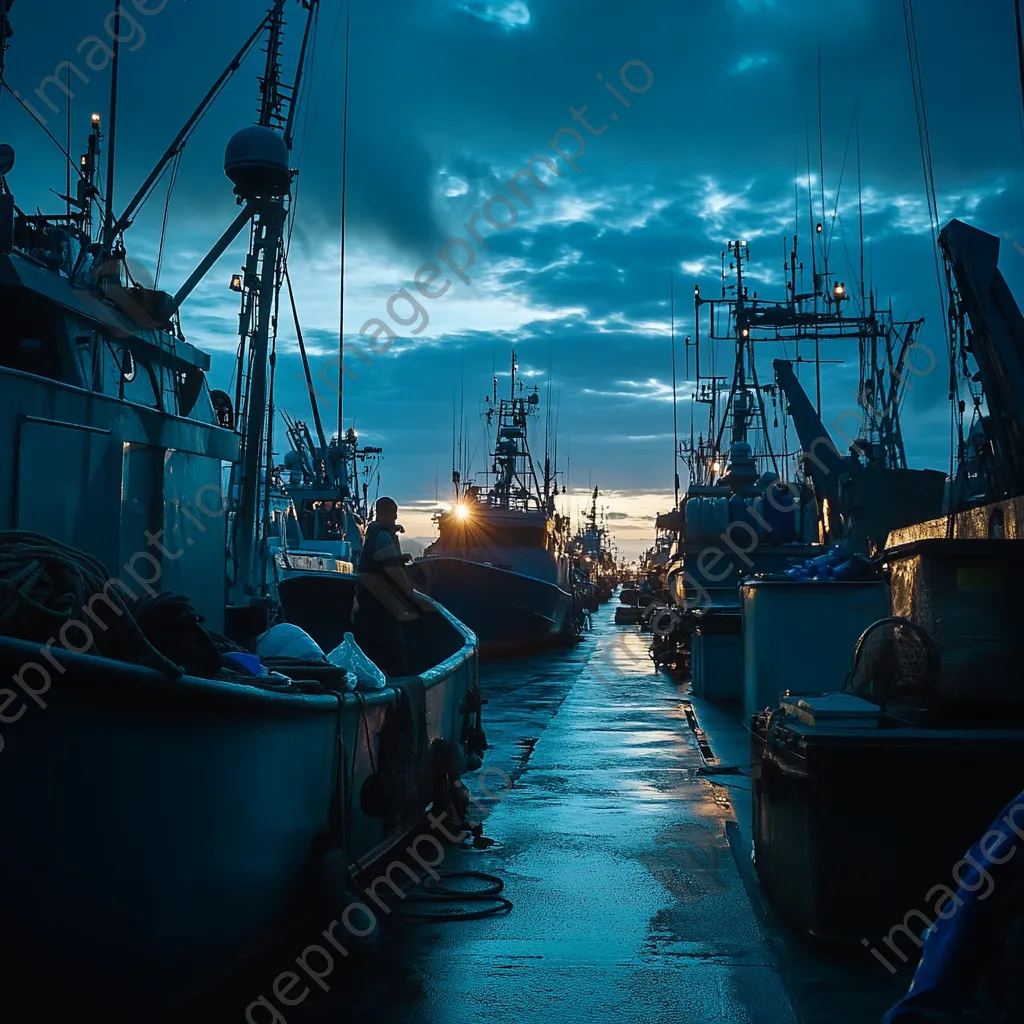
256 160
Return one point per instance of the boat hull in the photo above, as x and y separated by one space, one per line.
511 614
163 830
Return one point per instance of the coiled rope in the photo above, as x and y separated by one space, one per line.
46 585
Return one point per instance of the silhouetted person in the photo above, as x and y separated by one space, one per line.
383 593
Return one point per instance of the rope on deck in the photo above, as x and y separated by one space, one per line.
51 592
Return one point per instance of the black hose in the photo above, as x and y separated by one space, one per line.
438 893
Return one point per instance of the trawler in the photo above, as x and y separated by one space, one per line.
170 802
320 505
594 555
501 563
743 504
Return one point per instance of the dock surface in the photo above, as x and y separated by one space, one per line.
628 902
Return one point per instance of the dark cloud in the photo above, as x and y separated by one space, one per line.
449 98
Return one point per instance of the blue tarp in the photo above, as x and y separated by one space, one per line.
946 978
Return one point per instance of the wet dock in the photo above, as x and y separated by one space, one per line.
615 851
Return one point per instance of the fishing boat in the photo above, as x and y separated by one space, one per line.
753 507
501 562
320 507
593 551
169 801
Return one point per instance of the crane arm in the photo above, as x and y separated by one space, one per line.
826 463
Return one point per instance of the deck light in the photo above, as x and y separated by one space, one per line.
236 282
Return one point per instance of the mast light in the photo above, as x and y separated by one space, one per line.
236 282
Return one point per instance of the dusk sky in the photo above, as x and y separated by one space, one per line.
449 98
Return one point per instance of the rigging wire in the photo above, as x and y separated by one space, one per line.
175 167
1020 56
303 96
183 137
839 187
924 141
67 156
317 422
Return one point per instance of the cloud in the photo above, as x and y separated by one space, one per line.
753 62
509 15
580 284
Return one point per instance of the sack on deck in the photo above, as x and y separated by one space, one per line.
349 656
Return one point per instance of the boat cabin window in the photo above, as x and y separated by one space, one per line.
30 335
133 378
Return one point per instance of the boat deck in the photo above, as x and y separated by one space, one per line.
624 864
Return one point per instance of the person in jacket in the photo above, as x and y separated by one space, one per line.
384 597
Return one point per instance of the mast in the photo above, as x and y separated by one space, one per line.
115 62
675 408
518 486
5 34
344 171
263 267
824 250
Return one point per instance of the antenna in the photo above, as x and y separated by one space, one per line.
860 220
796 200
824 254
675 409
463 454
5 34
821 162
67 165
814 264
115 62
344 170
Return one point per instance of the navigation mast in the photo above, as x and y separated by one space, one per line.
258 161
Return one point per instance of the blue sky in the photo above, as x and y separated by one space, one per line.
449 98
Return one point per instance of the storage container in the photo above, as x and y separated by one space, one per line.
963 594
800 635
853 827
716 658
